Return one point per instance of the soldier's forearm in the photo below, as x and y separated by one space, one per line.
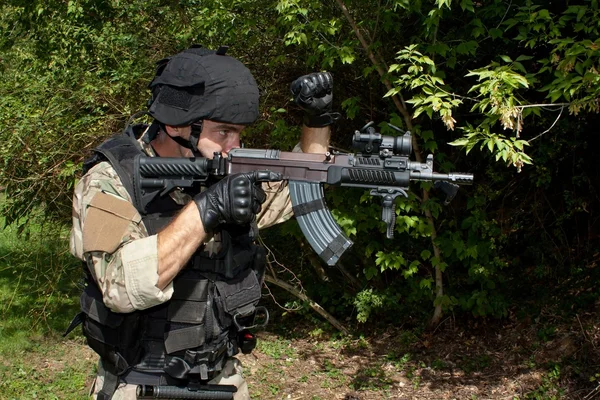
315 140
177 242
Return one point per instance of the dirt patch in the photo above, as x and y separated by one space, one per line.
540 359
515 360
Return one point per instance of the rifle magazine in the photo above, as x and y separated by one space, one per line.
316 222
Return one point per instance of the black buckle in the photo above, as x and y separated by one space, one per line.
260 319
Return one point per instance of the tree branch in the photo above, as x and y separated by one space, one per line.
320 310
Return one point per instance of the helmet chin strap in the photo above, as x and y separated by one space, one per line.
192 143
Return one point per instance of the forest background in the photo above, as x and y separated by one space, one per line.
506 90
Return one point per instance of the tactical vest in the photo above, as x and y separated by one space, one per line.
189 337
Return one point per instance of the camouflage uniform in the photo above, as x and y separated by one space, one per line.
128 275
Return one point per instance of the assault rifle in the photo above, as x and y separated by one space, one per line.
382 165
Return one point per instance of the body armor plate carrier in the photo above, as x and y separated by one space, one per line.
189 337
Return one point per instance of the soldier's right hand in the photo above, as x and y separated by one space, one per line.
236 199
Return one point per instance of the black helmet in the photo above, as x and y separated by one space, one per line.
199 84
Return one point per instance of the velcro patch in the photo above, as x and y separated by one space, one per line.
175 97
106 222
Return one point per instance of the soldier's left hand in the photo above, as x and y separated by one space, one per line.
314 94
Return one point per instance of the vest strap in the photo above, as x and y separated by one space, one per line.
185 338
111 382
75 322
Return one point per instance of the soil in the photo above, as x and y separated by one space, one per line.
476 360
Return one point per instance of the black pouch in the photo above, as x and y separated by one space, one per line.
238 297
240 250
114 336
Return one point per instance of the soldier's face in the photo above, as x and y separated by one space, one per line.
218 137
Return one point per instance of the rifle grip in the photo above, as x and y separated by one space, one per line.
316 222
388 215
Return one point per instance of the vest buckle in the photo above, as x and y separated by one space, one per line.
259 318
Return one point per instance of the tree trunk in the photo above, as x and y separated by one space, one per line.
439 281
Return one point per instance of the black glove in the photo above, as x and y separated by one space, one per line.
235 199
313 93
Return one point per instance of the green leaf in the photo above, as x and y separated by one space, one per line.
506 59
496 33
426 283
425 254
523 58
467 5
459 142
392 92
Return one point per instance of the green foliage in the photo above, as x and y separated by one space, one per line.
419 73
368 301
38 299
550 387
477 75
510 150
68 80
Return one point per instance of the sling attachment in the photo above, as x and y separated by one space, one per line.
257 319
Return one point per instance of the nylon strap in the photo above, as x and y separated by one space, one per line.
111 382
308 207
75 322
334 248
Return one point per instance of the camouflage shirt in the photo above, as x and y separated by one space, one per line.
109 235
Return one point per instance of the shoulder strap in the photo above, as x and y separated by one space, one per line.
119 151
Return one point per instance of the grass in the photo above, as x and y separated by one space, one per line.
38 297
276 348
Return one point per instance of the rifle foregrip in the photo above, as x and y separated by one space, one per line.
316 222
174 167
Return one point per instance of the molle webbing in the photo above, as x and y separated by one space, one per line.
187 307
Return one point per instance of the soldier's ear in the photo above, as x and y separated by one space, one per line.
177 130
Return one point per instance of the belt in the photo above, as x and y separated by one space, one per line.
154 378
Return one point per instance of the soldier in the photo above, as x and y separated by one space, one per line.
171 288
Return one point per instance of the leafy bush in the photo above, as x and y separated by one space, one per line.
513 85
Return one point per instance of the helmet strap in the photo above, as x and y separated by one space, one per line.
195 135
192 143
151 132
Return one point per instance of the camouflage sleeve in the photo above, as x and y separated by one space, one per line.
277 208
120 255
